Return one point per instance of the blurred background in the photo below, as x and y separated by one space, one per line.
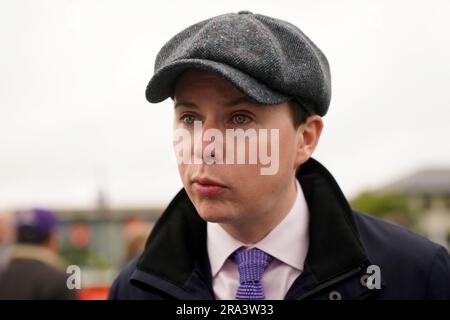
78 138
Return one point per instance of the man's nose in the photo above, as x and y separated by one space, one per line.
207 148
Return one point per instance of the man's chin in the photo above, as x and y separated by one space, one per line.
216 218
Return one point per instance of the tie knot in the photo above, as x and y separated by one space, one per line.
251 264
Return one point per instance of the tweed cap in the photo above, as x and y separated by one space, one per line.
269 60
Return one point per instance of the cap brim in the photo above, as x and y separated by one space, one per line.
162 84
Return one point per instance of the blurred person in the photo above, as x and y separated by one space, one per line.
136 233
6 237
233 232
35 270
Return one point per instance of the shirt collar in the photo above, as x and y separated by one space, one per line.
291 232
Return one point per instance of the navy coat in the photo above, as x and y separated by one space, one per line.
343 244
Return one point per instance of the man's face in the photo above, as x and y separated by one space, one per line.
6 229
233 193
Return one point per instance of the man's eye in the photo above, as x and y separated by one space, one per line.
241 119
188 119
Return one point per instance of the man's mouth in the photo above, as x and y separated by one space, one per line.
207 187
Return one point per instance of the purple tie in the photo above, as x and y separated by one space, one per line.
251 265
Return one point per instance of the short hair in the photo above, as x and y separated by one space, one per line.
28 235
299 113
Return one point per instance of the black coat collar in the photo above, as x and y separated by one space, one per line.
175 258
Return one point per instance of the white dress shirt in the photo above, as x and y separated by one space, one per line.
287 243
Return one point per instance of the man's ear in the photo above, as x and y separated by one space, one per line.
308 135
52 242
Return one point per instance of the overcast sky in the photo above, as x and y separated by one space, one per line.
73 114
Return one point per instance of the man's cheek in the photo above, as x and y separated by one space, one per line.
183 170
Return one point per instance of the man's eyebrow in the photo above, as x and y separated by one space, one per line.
185 104
230 103
235 102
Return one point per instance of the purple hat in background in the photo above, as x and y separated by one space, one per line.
35 225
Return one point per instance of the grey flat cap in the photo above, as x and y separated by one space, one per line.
269 60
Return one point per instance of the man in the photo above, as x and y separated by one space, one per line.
35 271
6 238
238 232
